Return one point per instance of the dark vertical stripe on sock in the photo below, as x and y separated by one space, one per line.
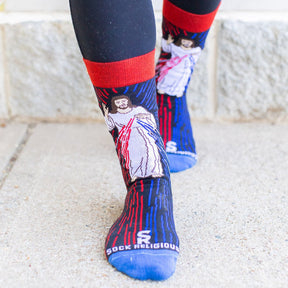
155 220
165 124
131 220
136 217
141 213
129 238
125 234
167 221
170 126
150 193
163 229
151 218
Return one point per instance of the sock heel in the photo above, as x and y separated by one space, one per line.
180 163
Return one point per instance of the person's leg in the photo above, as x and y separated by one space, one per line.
185 26
117 40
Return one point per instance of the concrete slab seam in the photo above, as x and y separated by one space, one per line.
17 153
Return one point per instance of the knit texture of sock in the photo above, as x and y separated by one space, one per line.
181 46
142 243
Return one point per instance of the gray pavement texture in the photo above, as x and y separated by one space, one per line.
64 189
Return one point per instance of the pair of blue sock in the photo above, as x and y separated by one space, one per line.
152 136
145 246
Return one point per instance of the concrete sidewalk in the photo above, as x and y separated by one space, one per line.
61 189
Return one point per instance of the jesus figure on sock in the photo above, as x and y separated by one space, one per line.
174 73
136 127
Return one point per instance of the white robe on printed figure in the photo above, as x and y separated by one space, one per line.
177 69
138 148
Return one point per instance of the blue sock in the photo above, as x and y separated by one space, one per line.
184 34
143 242
117 40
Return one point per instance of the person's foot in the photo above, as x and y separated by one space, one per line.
143 242
184 36
173 73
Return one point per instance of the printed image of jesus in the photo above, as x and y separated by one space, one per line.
176 71
136 137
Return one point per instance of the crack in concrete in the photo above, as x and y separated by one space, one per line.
13 159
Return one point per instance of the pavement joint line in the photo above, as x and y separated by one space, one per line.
18 150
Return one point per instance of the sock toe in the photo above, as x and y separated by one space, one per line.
178 162
145 265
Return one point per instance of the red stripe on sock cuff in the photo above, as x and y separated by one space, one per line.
122 73
188 21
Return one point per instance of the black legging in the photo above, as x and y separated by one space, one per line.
113 30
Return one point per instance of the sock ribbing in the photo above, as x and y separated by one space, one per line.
125 72
190 22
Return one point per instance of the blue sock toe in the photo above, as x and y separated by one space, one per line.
178 162
145 264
